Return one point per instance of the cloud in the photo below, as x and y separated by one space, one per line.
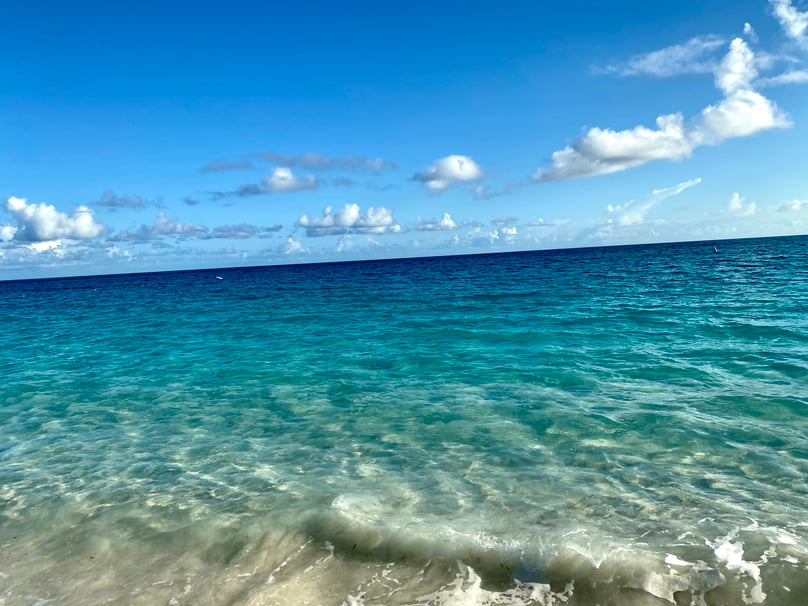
445 224
604 151
797 76
509 233
110 199
448 170
7 233
691 57
349 219
42 222
634 213
793 205
793 21
189 201
343 182
162 226
482 192
250 189
750 32
742 112
215 166
315 161
282 180
291 246
480 238
242 231
737 204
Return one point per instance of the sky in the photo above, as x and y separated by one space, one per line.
162 136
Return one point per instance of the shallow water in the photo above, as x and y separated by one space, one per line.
602 426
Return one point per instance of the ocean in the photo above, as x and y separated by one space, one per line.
603 426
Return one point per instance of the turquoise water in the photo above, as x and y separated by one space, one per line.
602 426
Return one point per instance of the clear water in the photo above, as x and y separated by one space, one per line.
603 426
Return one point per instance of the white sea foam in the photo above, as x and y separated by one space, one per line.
729 551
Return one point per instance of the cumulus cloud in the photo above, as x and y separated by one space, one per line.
291 246
634 212
315 161
509 233
742 112
448 170
349 219
738 204
691 57
446 223
7 233
282 180
793 21
42 222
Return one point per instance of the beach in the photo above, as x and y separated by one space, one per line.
624 425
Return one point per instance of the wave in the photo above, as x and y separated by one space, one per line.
748 565
349 553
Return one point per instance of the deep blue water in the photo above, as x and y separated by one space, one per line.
621 425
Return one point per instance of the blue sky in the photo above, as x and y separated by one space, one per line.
211 135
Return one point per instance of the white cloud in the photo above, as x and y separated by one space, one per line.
634 213
793 21
691 57
509 234
45 246
7 233
349 219
737 69
446 223
448 170
603 151
292 246
797 76
480 238
345 243
738 204
42 222
793 205
750 32
283 180
742 112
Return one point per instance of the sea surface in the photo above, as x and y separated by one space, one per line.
609 426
